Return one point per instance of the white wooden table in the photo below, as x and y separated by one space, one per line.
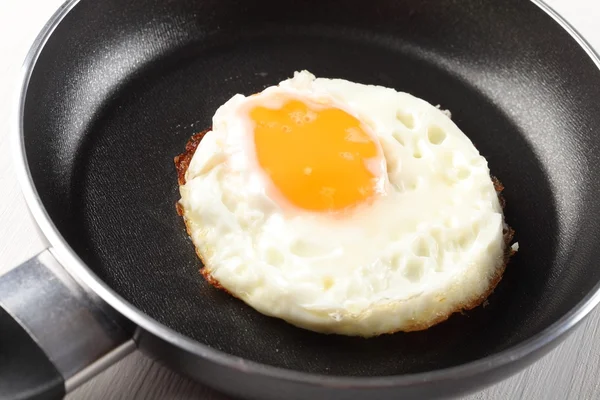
572 371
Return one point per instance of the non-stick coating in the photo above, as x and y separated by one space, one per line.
121 85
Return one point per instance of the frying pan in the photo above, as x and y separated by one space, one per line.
113 89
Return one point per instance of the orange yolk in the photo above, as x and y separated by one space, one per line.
316 156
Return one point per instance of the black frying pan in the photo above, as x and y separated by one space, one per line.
113 89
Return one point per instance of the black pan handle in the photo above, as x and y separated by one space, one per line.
25 371
54 334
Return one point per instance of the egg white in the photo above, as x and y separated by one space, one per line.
432 246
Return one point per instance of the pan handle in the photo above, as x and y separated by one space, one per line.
54 334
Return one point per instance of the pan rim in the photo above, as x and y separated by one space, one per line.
75 266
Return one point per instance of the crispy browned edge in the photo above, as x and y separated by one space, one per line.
182 162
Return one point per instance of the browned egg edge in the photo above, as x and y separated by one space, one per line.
182 162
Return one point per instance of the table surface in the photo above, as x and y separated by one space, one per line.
571 371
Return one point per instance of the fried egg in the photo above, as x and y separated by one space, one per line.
344 208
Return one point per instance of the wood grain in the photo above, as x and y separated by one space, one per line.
572 371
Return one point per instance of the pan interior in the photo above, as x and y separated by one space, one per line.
120 87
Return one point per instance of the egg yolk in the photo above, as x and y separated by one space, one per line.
319 157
